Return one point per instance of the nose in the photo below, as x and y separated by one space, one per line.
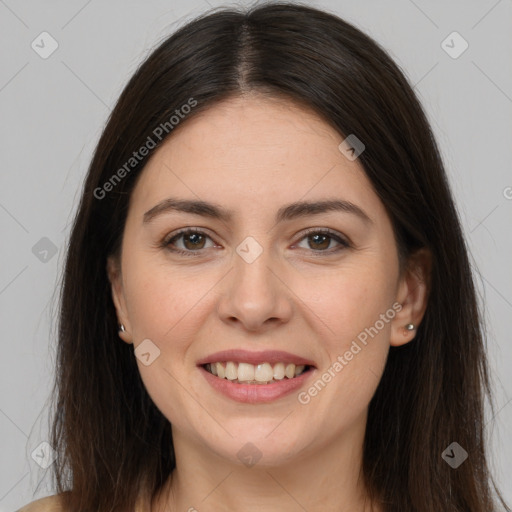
255 297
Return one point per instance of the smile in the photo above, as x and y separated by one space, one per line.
256 377
246 373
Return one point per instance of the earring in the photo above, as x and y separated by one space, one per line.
410 327
121 328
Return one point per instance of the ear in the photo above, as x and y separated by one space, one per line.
116 283
412 294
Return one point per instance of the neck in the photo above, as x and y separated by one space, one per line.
325 478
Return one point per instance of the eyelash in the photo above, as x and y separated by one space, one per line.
344 244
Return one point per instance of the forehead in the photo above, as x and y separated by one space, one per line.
253 151
257 124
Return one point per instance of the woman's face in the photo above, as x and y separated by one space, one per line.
261 278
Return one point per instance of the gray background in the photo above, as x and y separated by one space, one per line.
52 113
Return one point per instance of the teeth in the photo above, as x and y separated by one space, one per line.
263 373
231 371
245 371
279 371
259 374
221 371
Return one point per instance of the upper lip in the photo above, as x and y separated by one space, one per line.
245 356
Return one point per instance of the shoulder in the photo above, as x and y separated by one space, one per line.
48 504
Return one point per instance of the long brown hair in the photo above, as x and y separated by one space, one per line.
113 444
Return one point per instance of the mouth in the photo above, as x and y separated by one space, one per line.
256 377
257 374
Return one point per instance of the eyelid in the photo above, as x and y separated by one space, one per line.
184 231
326 231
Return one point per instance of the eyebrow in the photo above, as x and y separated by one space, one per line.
286 213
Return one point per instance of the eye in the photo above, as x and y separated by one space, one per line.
319 240
193 240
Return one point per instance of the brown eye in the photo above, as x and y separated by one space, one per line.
320 241
193 241
188 241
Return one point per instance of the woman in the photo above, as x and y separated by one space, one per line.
267 302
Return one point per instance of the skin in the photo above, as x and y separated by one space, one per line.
253 154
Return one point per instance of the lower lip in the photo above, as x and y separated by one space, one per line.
256 393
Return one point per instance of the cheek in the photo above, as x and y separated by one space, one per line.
356 306
159 297
165 307
350 300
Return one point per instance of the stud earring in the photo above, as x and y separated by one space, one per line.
410 327
121 328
